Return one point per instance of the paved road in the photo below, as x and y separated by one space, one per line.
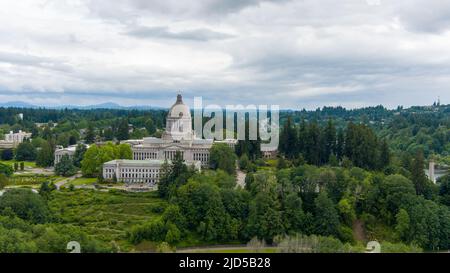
67 180
240 178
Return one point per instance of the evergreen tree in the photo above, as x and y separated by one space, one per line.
418 176
326 216
45 155
385 155
122 130
90 134
330 140
340 144
80 150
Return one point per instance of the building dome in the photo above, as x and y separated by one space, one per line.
179 109
179 122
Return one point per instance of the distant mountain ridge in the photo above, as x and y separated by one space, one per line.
106 105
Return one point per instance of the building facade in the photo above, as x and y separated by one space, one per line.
61 151
149 154
13 139
178 137
137 172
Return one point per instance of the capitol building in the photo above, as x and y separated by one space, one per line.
149 154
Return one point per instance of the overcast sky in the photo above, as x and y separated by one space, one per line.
297 54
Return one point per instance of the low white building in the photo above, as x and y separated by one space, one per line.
143 172
13 139
70 151
17 137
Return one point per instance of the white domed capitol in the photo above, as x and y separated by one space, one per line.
150 153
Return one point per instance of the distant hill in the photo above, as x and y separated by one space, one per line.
106 105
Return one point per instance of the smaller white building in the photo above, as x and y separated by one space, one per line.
17 137
137 172
13 139
70 151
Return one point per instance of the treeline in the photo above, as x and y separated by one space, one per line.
308 200
357 144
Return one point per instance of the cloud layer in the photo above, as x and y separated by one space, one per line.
304 53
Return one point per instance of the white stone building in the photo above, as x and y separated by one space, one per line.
70 151
17 137
13 139
150 153
137 172
178 137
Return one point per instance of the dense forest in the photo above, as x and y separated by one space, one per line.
341 178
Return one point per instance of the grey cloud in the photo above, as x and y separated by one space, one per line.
426 16
200 9
201 34
35 61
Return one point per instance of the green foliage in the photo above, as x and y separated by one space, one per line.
7 154
79 154
26 205
3 181
123 130
95 156
90 134
326 216
25 151
45 156
222 157
65 167
6 169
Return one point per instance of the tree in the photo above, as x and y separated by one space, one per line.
418 176
265 219
293 215
108 134
65 167
45 155
90 134
80 150
25 151
403 224
45 189
244 162
26 205
6 169
150 126
385 155
7 154
326 216
222 157
330 140
444 190
123 130
95 156
289 139
281 163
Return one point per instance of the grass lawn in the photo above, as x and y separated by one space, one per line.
83 181
30 164
107 216
19 179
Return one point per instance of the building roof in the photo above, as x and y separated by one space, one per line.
179 109
144 163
